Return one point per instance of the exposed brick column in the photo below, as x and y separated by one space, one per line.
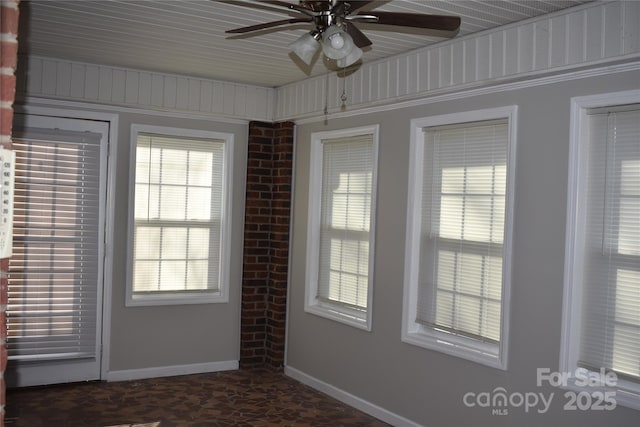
8 61
255 275
281 172
266 243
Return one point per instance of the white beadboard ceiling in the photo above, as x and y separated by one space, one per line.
187 37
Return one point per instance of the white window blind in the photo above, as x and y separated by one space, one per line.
346 203
610 334
54 271
179 205
463 212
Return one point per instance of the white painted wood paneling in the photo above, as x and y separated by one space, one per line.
49 77
118 86
630 30
575 38
483 57
187 37
457 64
558 36
105 80
593 34
66 80
412 79
434 68
497 61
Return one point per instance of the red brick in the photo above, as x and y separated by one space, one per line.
9 20
7 87
4 298
8 54
247 353
6 121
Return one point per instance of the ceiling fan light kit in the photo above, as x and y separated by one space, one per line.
336 43
306 46
335 30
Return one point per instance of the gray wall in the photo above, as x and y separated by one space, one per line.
163 340
159 336
426 386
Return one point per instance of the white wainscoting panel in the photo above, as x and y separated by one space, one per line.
73 81
594 34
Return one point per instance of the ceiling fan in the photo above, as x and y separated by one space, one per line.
335 27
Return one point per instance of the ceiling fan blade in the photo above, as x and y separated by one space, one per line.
414 20
267 25
355 6
358 36
290 6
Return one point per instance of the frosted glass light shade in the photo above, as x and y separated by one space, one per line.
336 44
305 47
351 58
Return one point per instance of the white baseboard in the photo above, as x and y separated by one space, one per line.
170 371
348 398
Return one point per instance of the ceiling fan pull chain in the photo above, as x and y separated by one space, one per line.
343 97
326 95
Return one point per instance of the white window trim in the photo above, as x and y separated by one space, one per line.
177 297
626 393
493 355
312 304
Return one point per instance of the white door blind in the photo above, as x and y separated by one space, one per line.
178 214
463 205
55 267
610 336
347 183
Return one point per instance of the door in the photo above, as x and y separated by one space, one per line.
55 279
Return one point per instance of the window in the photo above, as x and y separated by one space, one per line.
341 218
459 234
180 216
601 321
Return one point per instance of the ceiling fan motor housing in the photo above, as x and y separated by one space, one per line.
325 19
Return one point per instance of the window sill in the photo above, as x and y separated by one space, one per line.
340 314
465 348
175 298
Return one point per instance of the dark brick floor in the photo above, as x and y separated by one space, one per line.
251 397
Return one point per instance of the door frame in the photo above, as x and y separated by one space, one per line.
64 111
